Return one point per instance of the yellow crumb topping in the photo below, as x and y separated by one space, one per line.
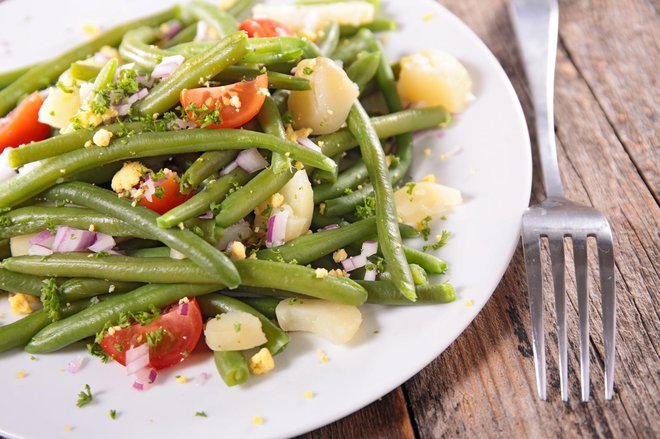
181 379
257 420
321 273
339 255
20 303
261 362
429 178
102 137
237 250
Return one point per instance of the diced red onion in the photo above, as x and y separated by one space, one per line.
6 171
230 167
206 215
138 386
456 150
354 262
203 378
142 79
137 96
181 124
369 248
202 33
137 358
103 243
167 66
149 188
277 228
44 239
330 227
115 252
183 309
439 134
307 143
176 254
250 160
39 250
28 167
101 58
173 27
75 365
370 275
68 239
236 232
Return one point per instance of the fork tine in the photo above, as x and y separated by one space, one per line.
607 287
558 268
532 255
580 258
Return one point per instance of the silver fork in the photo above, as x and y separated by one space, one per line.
536 25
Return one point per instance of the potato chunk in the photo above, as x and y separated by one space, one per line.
333 321
234 331
416 201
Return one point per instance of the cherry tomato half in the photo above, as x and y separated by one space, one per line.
236 103
22 124
180 335
264 28
167 196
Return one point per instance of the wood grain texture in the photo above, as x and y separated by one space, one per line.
606 123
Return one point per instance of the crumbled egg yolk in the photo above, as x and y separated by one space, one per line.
257 420
427 17
91 29
237 250
339 255
299 165
309 394
324 358
68 428
20 374
427 152
338 273
469 303
181 379
20 303
292 135
429 178
261 362
102 137
128 177
226 4
321 273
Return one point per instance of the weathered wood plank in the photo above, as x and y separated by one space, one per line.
387 417
614 45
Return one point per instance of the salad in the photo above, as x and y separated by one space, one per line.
191 180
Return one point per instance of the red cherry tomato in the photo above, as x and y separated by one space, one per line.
167 196
236 103
180 336
264 28
22 124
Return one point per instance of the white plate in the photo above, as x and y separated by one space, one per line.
493 171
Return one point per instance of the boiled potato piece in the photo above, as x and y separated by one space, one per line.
59 107
325 107
312 18
333 321
19 245
416 201
433 77
299 197
234 331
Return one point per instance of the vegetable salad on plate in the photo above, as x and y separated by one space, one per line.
215 177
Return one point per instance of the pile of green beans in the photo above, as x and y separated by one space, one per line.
161 258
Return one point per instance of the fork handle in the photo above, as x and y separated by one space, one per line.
536 26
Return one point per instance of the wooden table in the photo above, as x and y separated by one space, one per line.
606 103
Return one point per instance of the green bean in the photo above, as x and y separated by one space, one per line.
34 219
308 248
212 261
185 35
409 232
63 143
254 273
83 71
204 66
20 283
385 293
98 176
325 176
348 49
93 319
214 304
215 192
348 179
136 47
265 305
387 222
418 274
428 262
363 69
19 333
377 25
399 122
243 201
222 22
137 244
45 73
6 78
25 186
281 99
320 221
84 288
271 123
153 252
232 367
330 39
275 80
259 50
205 166
5 249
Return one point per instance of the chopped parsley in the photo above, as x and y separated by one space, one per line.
113 414
85 396
154 337
96 350
441 242
50 297
294 301
119 347
237 327
5 221
308 70
203 115
201 414
424 228
367 210
411 188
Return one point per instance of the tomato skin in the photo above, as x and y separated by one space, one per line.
264 28
180 336
249 95
171 198
22 124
